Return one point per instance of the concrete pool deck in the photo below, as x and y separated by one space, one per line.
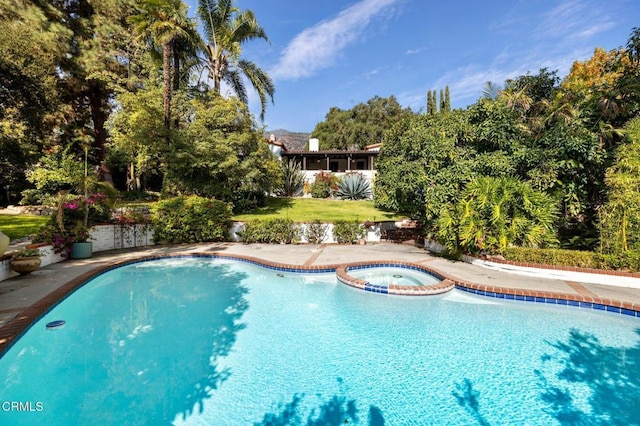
18 294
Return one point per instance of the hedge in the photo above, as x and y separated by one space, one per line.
282 231
190 219
629 260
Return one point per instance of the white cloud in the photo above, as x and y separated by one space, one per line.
317 47
562 35
466 83
573 19
372 73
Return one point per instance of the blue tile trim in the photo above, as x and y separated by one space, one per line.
535 299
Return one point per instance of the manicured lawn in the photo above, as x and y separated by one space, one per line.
309 209
18 226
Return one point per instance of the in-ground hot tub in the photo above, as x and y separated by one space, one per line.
388 275
394 278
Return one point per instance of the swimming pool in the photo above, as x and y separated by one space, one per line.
210 341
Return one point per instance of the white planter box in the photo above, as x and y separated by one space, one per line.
112 237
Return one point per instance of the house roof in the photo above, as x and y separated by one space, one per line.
278 143
373 146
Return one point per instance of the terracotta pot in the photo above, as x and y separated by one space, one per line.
25 265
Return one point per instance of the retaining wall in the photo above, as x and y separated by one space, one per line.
104 237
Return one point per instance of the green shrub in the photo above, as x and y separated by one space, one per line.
246 201
324 185
316 232
560 257
348 232
191 219
629 260
495 213
354 186
270 231
139 196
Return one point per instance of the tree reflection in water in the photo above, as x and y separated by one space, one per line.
610 375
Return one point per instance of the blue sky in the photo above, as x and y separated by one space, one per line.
340 53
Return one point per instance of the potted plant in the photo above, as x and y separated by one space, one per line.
4 243
81 247
26 260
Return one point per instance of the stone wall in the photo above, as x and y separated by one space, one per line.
29 210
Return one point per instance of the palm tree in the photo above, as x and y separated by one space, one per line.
160 23
185 57
490 90
226 28
494 213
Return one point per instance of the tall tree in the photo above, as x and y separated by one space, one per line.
447 100
628 86
227 28
442 104
94 63
431 102
161 23
364 124
31 47
620 216
538 87
423 164
221 154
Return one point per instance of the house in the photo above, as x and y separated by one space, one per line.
338 162
276 147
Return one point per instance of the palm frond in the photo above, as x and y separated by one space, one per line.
260 81
234 79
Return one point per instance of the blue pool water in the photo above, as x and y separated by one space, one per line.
200 341
388 275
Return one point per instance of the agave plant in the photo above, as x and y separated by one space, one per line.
292 178
353 186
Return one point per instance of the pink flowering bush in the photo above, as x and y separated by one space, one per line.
98 208
61 240
72 230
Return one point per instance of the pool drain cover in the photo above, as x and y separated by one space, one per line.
54 325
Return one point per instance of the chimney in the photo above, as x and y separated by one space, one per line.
314 144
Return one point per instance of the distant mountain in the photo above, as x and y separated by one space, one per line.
292 140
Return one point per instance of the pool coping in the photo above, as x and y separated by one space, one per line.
17 326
